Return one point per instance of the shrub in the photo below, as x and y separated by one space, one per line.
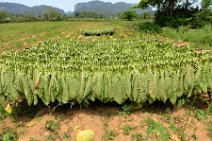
129 15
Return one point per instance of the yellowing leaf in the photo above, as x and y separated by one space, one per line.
8 109
86 135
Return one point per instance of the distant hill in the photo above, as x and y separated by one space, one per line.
16 8
106 8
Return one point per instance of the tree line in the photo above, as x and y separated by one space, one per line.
50 15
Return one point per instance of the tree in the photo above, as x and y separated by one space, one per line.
3 16
171 12
129 15
52 15
167 6
206 4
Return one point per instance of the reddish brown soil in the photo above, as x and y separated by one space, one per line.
103 118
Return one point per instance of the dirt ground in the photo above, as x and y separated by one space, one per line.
110 123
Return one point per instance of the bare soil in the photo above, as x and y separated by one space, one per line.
103 119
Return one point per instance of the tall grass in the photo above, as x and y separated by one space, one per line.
202 37
197 36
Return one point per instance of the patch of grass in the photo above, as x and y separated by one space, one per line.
201 38
198 36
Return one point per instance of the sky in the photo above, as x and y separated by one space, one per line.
67 5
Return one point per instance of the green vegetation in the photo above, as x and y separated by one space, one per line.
200 38
157 129
16 36
9 135
65 75
137 136
132 68
127 129
175 13
88 14
129 15
197 36
3 16
52 15
99 32
127 109
52 126
109 135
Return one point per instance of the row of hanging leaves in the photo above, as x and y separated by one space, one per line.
106 87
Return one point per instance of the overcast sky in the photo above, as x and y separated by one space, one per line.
66 5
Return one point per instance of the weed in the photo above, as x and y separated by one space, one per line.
66 135
9 135
52 126
181 103
137 136
51 138
173 127
166 118
127 129
109 135
127 109
149 121
155 127
200 115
